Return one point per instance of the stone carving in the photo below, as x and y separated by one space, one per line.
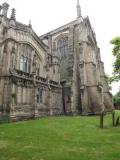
13 14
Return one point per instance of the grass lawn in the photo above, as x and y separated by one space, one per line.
60 138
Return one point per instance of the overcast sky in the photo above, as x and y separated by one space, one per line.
47 15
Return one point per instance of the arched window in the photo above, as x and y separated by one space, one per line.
25 64
22 63
39 95
29 65
62 47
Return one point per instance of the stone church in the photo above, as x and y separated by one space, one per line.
58 73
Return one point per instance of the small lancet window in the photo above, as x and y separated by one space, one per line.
39 95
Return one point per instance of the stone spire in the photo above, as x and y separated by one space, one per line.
5 7
78 10
13 14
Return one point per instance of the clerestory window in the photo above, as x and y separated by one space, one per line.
62 47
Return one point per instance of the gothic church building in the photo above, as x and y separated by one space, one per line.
58 73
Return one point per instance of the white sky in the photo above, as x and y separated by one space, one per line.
47 15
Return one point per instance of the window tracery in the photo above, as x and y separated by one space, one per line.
25 58
62 47
25 64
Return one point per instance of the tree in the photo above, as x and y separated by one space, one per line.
116 99
116 53
109 80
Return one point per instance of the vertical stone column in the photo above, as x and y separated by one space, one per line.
47 100
1 58
71 52
36 114
84 100
98 65
73 68
4 59
1 31
19 95
50 44
71 40
9 56
94 96
18 56
24 95
12 58
6 98
83 78
75 106
107 95
13 103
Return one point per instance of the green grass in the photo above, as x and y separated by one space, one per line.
60 138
